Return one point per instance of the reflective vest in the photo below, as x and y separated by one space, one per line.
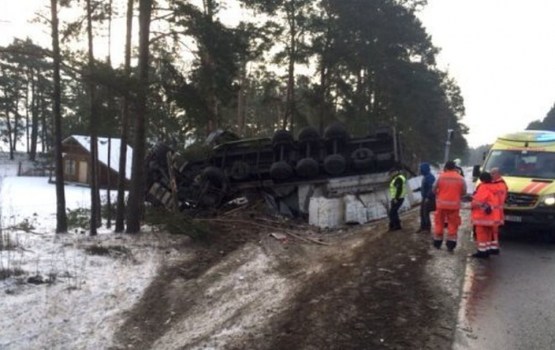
449 189
393 188
483 197
500 190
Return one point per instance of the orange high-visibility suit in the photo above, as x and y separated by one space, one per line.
500 189
449 188
485 216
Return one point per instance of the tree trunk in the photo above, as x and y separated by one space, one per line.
241 102
30 77
208 62
46 141
34 123
95 203
9 129
290 108
110 108
120 211
15 118
61 218
137 189
108 194
322 93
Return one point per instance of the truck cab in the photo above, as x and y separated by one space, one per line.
526 161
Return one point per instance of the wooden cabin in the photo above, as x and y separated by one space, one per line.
76 151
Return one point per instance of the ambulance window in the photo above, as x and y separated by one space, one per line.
546 166
503 160
527 164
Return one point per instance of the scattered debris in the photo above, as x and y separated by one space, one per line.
279 236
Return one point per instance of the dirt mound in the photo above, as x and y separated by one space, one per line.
272 285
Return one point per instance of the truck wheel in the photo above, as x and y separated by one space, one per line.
336 131
215 175
282 137
214 187
210 200
362 158
307 168
308 134
281 170
240 170
335 164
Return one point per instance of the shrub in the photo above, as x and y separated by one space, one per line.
175 223
7 273
115 251
78 218
26 225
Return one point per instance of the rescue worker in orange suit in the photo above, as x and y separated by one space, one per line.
397 192
484 214
449 188
500 189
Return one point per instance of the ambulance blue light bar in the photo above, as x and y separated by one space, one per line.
530 136
545 137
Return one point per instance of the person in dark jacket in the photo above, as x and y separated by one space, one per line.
428 197
458 167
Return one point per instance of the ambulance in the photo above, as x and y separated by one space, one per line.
526 161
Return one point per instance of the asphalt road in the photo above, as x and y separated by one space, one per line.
509 300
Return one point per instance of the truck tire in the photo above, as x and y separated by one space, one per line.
336 131
335 164
307 168
308 134
281 170
282 137
215 175
214 187
239 171
362 158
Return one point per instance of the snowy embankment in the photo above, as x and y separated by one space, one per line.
65 291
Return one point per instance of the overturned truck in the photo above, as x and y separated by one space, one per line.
278 167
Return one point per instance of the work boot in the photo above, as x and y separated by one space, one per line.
494 252
437 243
480 255
451 245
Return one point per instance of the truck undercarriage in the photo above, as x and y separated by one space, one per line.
224 170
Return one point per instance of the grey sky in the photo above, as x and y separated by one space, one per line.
500 52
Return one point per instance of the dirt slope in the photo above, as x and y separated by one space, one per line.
365 289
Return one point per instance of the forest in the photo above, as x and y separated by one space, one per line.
190 67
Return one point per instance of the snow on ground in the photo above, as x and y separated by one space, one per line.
257 292
77 298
